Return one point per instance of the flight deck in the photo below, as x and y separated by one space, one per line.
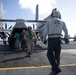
17 62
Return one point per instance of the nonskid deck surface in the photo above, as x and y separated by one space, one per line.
16 62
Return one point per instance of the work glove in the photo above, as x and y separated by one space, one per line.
66 41
45 42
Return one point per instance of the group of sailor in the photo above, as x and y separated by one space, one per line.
24 40
28 39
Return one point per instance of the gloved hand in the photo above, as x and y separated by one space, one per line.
66 41
45 42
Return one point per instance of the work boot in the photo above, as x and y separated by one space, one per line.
55 72
52 73
29 55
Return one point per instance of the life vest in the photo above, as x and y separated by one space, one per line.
30 33
55 27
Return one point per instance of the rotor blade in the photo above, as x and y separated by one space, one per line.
5 30
10 27
12 20
8 33
33 26
7 20
5 25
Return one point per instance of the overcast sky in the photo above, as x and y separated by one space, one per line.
25 9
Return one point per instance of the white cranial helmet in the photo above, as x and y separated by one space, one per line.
23 30
55 13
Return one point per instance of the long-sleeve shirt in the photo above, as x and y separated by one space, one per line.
53 29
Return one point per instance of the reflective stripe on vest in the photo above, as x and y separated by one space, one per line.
55 28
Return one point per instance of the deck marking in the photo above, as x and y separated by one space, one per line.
32 67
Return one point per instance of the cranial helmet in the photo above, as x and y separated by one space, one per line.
23 30
29 27
55 13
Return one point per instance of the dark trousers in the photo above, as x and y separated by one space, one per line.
53 53
24 44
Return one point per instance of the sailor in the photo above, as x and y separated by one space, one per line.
30 40
34 37
24 36
53 28
17 42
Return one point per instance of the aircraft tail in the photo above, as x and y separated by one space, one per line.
36 16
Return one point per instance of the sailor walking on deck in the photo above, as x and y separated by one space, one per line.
53 28
30 40
24 37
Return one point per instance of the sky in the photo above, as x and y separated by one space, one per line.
25 9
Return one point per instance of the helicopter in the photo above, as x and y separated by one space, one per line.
17 28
